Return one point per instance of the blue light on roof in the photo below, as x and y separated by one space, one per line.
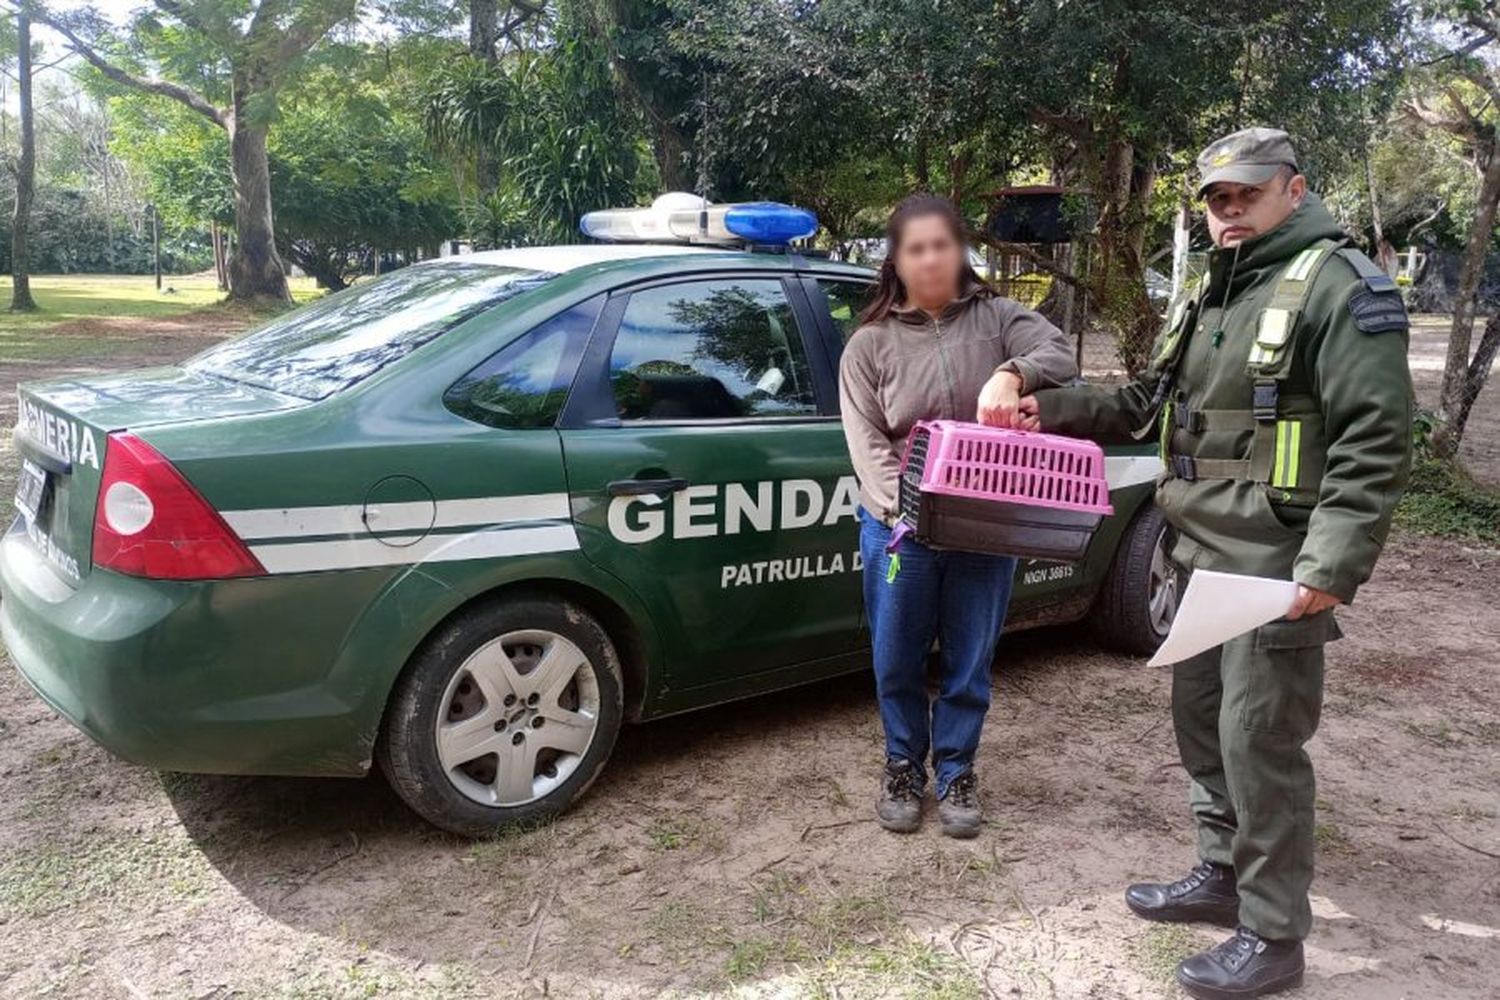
769 222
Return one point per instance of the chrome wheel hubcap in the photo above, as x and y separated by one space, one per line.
517 717
1162 598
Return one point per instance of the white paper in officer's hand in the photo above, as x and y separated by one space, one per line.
1219 606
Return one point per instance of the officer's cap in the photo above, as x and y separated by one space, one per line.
1249 156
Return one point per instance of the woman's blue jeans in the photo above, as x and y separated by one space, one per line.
958 598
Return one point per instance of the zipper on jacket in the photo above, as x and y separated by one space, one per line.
947 373
1221 325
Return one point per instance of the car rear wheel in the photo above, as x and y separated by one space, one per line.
1138 601
507 714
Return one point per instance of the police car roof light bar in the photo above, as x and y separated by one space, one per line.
680 217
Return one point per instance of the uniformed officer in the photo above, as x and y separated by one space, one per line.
1281 395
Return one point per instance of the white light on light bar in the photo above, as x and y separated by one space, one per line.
680 217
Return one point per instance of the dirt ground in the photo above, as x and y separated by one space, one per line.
731 851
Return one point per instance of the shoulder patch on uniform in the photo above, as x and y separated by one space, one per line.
1378 312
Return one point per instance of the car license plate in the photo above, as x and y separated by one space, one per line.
31 490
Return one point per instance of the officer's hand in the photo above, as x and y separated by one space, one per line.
1311 602
1030 412
1000 400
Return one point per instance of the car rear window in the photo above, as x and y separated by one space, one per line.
331 344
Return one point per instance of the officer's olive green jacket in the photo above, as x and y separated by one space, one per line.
1325 524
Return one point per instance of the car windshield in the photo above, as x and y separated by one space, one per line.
331 344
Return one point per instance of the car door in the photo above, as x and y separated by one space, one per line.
707 470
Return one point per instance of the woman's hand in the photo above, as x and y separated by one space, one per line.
1000 400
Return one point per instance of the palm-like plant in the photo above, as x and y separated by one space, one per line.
551 121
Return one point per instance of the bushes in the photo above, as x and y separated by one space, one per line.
1442 499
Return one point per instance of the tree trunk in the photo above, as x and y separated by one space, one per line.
921 166
1457 392
1478 373
327 264
1118 278
1379 230
20 248
484 29
958 178
1182 235
255 270
484 37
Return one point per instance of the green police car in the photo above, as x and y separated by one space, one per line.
468 518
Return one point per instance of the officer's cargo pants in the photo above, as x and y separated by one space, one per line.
1243 713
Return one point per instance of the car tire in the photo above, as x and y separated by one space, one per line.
486 727
1134 609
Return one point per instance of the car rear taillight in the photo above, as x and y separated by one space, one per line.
150 522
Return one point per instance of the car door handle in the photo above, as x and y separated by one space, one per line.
645 487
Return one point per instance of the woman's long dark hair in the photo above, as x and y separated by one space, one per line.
889 291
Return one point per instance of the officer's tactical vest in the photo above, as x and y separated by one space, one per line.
1287 445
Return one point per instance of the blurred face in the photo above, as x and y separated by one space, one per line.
1239 212
928 261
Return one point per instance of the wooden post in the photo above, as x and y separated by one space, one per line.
1182 232
221 273
155 244
25 173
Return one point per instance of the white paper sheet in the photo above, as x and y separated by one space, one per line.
1219 606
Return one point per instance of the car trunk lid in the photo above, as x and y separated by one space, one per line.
61 431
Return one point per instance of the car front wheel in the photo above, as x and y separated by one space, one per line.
507 714
1138 601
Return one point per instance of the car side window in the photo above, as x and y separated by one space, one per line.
845 299
721 349
526 382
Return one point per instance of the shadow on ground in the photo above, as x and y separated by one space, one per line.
345 858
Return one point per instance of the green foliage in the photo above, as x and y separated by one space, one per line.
349 169
349 174
1442 499
551 121
1425 177
70 235
182 159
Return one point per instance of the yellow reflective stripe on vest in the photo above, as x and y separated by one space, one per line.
1288 454
1278 320
1167 422
1302 264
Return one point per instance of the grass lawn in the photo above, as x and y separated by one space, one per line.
64 298
79 313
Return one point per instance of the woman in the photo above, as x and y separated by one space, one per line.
935 342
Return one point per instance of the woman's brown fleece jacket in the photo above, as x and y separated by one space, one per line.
912 366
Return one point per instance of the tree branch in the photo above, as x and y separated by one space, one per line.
1467 49
527 11
307 27
164 88
1484 82
1031 256
217 27
1485 24
1422 114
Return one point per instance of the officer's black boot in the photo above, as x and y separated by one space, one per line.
1246 965
1206 893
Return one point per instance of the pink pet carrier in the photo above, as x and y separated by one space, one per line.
985 489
